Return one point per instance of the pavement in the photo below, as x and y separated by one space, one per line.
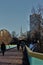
11 57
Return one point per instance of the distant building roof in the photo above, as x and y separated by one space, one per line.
22 38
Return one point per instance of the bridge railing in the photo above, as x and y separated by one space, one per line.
9 47
34 58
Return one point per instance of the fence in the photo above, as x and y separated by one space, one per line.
34 58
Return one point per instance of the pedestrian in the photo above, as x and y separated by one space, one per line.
3 48
22 45
33 46
18 46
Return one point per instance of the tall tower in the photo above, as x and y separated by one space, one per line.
28 24
21 31
34 21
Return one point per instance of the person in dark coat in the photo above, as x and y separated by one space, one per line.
3 48
22 45
18 46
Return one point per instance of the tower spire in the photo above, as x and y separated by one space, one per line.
21 30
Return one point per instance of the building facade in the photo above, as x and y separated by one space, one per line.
42 27
35 23
35 19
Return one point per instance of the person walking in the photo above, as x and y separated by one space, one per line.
3 48
18 46
22 45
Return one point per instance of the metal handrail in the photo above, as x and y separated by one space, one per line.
34 54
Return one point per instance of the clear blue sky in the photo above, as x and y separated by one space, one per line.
14 13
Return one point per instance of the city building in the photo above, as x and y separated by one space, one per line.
42 29
35 19
36 26
35 22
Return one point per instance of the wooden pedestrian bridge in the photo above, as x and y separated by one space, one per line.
26 57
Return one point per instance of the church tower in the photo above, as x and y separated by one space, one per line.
21 31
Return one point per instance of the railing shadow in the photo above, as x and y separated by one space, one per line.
25 58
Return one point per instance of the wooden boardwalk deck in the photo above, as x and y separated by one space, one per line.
11 57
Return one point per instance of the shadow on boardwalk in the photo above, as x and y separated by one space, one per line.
11 57
14 57
9 64
25 58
